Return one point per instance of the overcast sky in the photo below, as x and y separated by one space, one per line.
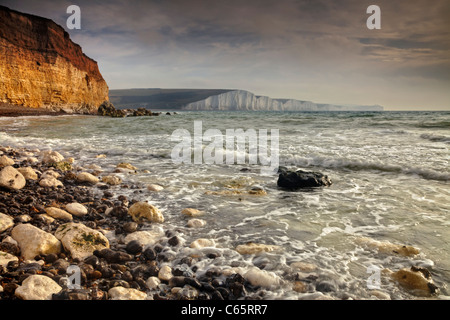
313 50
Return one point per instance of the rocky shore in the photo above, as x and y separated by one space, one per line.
54 223
65 234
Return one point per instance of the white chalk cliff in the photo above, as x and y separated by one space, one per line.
241 100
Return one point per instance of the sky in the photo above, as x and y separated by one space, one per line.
314 50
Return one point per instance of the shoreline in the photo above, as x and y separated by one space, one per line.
56 198
9 110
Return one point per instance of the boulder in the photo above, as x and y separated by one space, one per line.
196 223
145 237
50 157
87 177
387 247
417 280
122 293
6 222
191 212
261 278
112 180
294 180
202 243
28 173
255 248
126 165
107 109
165 273
34 241
11 179
6 161
6 258
58 213
50 182
155 187
37 287
141 211
79 240
76 209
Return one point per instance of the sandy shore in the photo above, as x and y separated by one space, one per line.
8 110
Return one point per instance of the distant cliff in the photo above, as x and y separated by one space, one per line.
241 100
41 67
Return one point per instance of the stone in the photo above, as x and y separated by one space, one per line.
6 258
191 212
293 180
303 266
261 278
37 287
153 283
145 237
300 286
6 222
58 214
6 161
80 240
87 177
11 179
112 180
387 247
155 187
196 223
50 157
143 211
255 248
50 174
28 173
202 243
165 273
50 182
417 280
76 209
34 241
121 293
126 165
134 247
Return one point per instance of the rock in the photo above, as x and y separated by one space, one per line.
50 174
196 223
191 212
388 247
155 187
121 293
125 165
50 157
107 109
6 161
293 180
6 222
262 278
300 286
28 173
76 209
141 211
134 247
114 256
80 240
417 280
37 287
33 241
255 248
50 182
146 237
303 266
326 286
58 214
202 243
112 180
165 273
153 282
12 179
6 258
87 177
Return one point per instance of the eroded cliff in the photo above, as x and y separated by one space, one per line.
40 66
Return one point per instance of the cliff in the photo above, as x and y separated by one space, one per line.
40 66
241 100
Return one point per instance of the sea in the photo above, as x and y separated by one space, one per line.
390 177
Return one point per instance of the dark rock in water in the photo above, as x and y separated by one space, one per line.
134 247
293 180
108 109
326 286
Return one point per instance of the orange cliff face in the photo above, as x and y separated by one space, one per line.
41 67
